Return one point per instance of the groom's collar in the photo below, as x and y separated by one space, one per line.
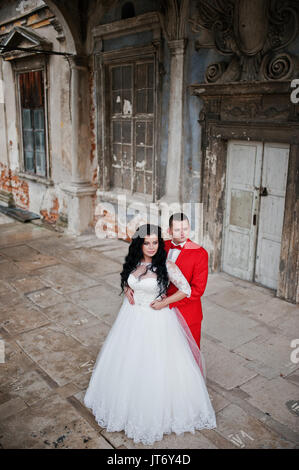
190 245
181 244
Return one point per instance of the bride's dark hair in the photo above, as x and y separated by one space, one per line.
135 255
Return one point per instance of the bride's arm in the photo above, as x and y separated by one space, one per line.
178 295
176 277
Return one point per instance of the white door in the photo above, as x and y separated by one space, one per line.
274 179
255 194
242 188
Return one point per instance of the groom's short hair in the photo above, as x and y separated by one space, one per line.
177 216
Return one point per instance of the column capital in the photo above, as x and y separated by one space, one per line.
177 46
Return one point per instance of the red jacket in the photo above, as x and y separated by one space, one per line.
193 262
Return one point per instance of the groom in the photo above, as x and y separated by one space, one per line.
192 259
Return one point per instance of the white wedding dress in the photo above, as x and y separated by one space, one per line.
149 376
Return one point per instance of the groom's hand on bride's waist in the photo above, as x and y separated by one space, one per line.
130 295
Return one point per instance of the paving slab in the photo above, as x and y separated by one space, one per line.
8 270
64 279
21 429
240 298
224 367
102 301
45 297
16 362
57 353
29 387
77 434
12 234
4 219
245 431
21 317
27 284
271 396
288 323
11 407
270 355
90 261
271 311
230 328
216 283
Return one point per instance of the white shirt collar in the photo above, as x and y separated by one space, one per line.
180 244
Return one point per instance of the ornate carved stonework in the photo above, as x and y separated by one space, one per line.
173 15
252 34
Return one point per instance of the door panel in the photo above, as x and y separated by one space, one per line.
242 187
274 177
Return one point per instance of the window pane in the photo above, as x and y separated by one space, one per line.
116 157
149 133
150 75
127 179
149 159
140 133
116 78
32 89
40 163
28 140
150 101
38 118
126 132
116 102
141 101
141 75
116 177
116 131
29 161
127 102
127 155
139 181
140 158
126 77
39 140
148 184
26 119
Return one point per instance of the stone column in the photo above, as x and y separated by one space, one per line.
80 189
175 129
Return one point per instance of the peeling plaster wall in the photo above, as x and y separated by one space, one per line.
47 200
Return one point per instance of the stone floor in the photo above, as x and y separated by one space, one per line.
58 300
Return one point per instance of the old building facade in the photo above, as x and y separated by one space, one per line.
160 102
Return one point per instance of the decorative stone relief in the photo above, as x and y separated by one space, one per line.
252 34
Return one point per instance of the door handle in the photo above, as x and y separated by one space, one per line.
254 219
263 191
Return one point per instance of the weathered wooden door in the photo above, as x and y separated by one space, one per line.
255 194
271 211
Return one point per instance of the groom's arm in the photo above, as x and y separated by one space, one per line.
199 278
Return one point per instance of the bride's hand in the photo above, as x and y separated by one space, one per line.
158 304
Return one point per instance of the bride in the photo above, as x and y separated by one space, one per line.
149 376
